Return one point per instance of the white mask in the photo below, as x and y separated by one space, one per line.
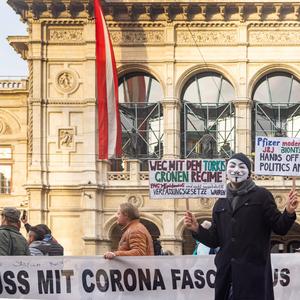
237 171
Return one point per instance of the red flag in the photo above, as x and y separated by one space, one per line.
110 138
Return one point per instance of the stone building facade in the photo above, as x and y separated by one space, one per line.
193 75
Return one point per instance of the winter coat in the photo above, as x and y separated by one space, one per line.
12 242
51 248
135 241
243 235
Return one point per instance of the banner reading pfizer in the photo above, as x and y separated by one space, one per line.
189 178
277 156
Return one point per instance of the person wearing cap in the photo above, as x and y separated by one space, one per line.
53 248
241 226
11 240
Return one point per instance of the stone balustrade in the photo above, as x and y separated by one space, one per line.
10 84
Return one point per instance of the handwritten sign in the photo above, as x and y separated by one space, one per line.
277 156
191 178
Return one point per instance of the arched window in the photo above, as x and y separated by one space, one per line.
207 117
141 117
5 169
277 106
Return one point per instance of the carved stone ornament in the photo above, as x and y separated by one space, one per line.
207 37
66 138
280 201
66 81
2 127
206 203
65 35
137 37
278 37
135 200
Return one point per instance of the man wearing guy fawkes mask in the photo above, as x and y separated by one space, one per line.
241 227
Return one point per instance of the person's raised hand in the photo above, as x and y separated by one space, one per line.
292 201
24 219
190 221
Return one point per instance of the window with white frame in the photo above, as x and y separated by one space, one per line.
5 169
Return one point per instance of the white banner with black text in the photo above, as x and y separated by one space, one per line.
156 277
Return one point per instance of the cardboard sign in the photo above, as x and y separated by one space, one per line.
277 156
191 178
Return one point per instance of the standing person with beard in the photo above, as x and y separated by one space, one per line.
136 239
241 226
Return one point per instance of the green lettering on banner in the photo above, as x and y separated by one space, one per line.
214 165
176 176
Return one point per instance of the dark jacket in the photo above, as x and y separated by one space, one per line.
243 235
46 248
12 242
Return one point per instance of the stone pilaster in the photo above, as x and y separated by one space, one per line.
243 125
171 108
133 166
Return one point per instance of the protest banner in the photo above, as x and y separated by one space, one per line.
277 156
190 178
158 277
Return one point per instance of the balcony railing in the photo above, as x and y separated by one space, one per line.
13 84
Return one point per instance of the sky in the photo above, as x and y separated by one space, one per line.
11 63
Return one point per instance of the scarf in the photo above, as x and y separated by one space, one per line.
233 193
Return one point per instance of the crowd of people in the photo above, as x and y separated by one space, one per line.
40 241
239 235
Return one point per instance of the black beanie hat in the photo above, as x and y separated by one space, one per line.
242 157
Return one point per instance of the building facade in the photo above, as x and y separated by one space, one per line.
196 79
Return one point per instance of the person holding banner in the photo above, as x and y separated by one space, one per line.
136 239
200 248
241 226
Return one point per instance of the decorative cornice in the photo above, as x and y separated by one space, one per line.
134 24
65 22
193 24
60 101
167 11
20 45
201 10
31 10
